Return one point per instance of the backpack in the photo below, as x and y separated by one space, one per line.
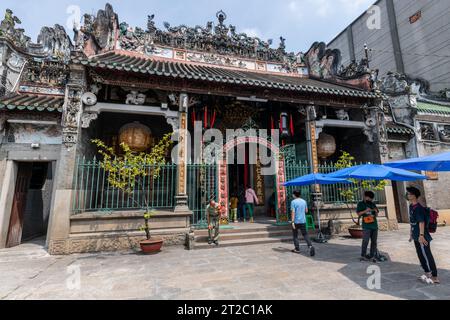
433 217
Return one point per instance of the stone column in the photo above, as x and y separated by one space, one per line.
311 137
382 139
181 197
59 223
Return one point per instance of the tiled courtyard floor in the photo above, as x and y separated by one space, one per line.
256 272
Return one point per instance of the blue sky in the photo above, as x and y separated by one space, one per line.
301 22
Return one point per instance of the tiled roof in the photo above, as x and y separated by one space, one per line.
175 69
433 108
398 129
32 102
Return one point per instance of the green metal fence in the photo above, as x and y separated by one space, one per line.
331 194
202 185
93 192
294 170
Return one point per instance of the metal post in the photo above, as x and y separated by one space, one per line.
317 202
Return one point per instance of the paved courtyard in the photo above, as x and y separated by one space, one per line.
256 272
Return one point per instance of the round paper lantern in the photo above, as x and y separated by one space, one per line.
326 146
137 136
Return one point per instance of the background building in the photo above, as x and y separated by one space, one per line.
414 39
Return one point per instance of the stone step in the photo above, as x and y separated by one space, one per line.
243 242
246 235
270 228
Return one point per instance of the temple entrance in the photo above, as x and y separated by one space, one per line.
31 203
236 175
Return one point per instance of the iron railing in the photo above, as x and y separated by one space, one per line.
331 194
202 185
93 192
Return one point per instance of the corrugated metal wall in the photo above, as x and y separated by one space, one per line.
425 44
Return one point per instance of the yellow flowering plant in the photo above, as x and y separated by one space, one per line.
128 170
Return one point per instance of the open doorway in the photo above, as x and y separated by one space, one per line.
243 175
31 203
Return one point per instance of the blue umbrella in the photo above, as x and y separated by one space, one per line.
376 172
315 178
438 162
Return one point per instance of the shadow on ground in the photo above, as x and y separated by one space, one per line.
398 279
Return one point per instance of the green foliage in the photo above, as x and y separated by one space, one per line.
127 171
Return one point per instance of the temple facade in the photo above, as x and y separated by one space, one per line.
221 92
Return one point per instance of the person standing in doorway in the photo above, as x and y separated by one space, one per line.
299 209
419 220
213 216
250 200
368 212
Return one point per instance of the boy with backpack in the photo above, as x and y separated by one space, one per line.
422 220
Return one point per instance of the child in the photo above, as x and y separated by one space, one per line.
234 204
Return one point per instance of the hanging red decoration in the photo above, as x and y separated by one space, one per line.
213 121
291 124
206 118
281 124
272 123
194 118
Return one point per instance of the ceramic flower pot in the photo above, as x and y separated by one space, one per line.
356 232
151 246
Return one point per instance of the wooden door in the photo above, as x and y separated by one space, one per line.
20 197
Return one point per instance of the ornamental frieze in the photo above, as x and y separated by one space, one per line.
72 110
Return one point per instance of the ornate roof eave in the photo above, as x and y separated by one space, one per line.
168 68
32 102
393 128
433 108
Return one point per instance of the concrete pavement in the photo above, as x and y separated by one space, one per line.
254 272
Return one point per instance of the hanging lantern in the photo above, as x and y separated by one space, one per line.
137 136
284 125
326 146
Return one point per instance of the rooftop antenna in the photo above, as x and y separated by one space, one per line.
368 54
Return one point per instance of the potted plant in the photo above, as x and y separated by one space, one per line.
351 192
128 172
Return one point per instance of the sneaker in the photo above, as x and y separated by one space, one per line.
210 242
216 243
363 259
296 251
312 251
424 278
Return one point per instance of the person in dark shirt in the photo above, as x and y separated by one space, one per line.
368 211
419 220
